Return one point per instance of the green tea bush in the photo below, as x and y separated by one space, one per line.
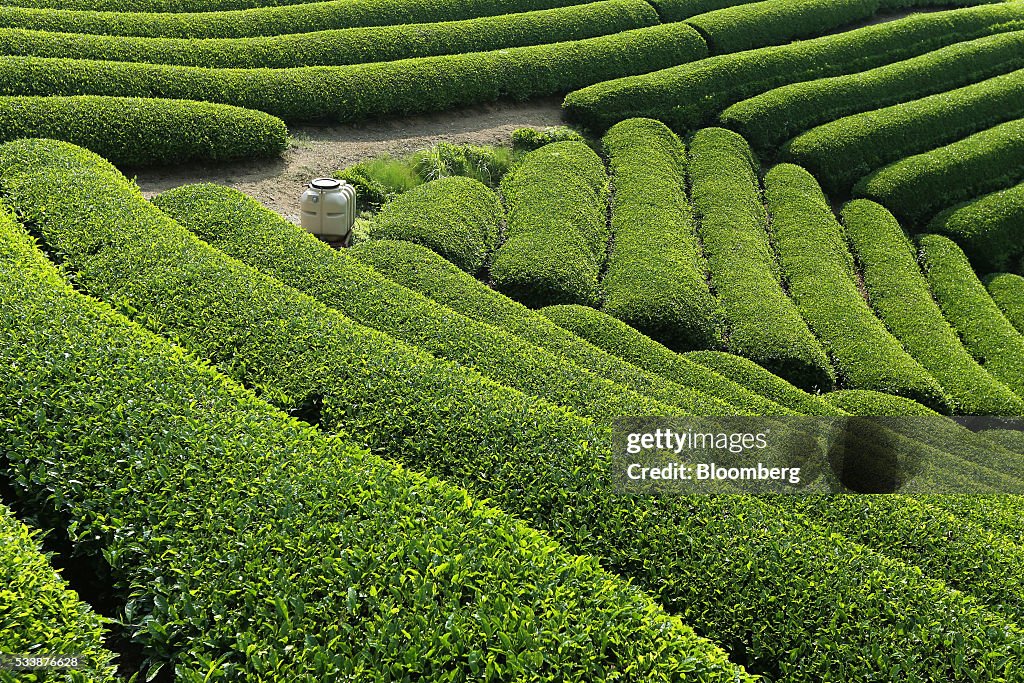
242 228
762 323
39 615
970 310
529 139
1007 290
691 95
557 231
875 403
249 547
260 21
619 339
721 562
769 119
749 374
457 217
843 151
343 46
425 272
677 10
656 279
919 186
819 272
900 295
771 22
152 5
1010 439
347 93
138 132
990 228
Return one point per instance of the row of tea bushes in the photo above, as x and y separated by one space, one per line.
553 475
1007 291
656 279
344 46
874 403
971 311
762 323
425 272
843 151
141 131
919 186
691 95
457 217
621 340
819 273
134 20
557 233
901 297
242 228
347 93
769 119
990 228
247 546
39 615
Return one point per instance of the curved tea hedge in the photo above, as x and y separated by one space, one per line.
457 217
755 378
677 10
425 272
263 21
619 339
769 119
347 93
343 46
39 614
242 228
657 277
137 132
875 403
919 186
900 296
762 323
1010 439
819 273
692 95
972 313
1007 290
841 152
151 5
248 546
557 231
545 466
990 228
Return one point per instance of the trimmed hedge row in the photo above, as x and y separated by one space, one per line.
250 547
990 228
692 95
345 46
842 152
544 466
423 271
972 313
263 21
819 272
557 231
751 375
875 403
137 132
1007 290
457 217
621 340
900 295
771 22
242 228
346 93
769 119
762 323
657 277
151 5
39 614
918 187
677 10
1010 439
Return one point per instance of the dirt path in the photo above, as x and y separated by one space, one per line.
321 150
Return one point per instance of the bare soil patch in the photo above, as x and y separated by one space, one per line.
320 150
